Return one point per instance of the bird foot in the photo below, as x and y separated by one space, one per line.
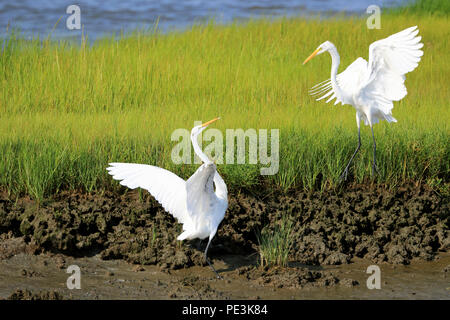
212 268
218 276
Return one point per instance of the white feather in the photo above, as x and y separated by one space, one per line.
166 187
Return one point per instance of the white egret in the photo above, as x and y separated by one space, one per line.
195 203
370 87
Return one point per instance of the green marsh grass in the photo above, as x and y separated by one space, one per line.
423 7
275 244
67 110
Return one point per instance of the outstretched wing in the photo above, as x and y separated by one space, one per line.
389 60
349 82
167 188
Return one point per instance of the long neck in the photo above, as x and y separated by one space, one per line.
198 150
221 187
335 61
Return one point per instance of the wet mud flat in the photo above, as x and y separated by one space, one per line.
27 276
125 245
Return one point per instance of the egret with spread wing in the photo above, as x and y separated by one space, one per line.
194 202
371 87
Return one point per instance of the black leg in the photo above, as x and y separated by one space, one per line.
345 173
206 258
374 165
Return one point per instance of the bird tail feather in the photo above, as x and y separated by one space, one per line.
184 235
389 118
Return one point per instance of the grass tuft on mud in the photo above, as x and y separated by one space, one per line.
275 243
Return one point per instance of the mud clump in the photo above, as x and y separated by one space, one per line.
11 246
293 278
192 287
328 228
349 283
446 271
20 294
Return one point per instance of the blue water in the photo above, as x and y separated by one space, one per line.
99 18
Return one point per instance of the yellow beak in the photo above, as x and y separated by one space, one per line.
210 121
312 55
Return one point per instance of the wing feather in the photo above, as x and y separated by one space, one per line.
166 187
389 60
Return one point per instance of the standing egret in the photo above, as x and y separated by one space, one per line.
370 87
194 202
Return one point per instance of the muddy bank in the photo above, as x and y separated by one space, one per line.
329 228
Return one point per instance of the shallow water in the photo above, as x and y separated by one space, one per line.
34 17
117 279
